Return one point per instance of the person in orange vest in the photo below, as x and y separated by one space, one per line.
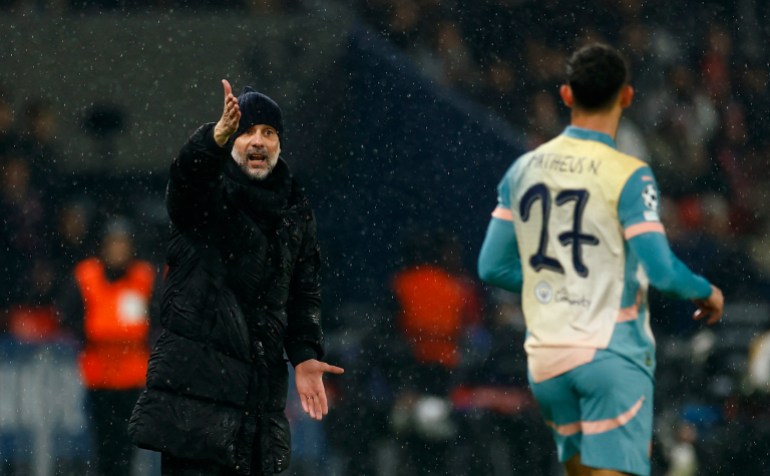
436 304
106 306
436 301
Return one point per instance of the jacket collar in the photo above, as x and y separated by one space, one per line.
265 201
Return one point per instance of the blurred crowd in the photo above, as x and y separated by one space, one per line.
126 6
53 217
436 381
701 84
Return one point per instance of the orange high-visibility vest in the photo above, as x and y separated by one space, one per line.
432 304
116 325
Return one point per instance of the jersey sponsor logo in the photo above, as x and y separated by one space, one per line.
563 295
543 292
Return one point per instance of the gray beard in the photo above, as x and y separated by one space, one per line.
257 175
253 174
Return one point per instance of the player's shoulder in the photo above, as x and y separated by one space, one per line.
618 167
518 163
628 161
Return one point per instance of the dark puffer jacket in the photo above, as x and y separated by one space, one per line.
242 285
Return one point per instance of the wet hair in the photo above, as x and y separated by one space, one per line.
596 73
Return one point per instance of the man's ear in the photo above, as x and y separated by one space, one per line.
566 95
626 96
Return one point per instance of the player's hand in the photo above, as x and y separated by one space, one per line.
710 308
308 377
231 116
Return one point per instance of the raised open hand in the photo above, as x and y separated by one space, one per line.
231 116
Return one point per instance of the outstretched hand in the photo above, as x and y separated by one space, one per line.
231 116
710 308
308 377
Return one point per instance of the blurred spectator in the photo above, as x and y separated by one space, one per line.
32 317
499 88
73 237
455 65
716 63
685 122
712 250
106 304
682 456
637 42
437 303
25 221
399 20
740 165
39 142
759 364
271 6
545 121
9 137
758 250
376 359
752 92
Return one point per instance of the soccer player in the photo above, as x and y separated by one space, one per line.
577 233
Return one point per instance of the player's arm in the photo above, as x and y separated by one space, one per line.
668 274
645 235
191 195
499 261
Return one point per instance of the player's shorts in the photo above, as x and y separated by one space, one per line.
602 410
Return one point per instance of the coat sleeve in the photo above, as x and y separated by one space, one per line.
194 195
304 337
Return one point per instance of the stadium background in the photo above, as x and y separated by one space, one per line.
401 117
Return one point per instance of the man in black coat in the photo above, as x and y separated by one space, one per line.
242 287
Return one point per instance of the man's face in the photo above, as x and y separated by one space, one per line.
117 250
256 151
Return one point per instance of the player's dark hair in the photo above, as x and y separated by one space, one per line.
596 73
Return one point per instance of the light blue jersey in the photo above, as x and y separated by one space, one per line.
577 232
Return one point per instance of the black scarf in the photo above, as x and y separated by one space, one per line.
264 201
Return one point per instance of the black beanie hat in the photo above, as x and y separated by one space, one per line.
256 108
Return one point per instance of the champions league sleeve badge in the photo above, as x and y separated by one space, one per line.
650 200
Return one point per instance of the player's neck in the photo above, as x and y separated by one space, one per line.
605 122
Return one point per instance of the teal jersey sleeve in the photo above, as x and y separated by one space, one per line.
639 217
639 199
664 269
499 262
504 192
